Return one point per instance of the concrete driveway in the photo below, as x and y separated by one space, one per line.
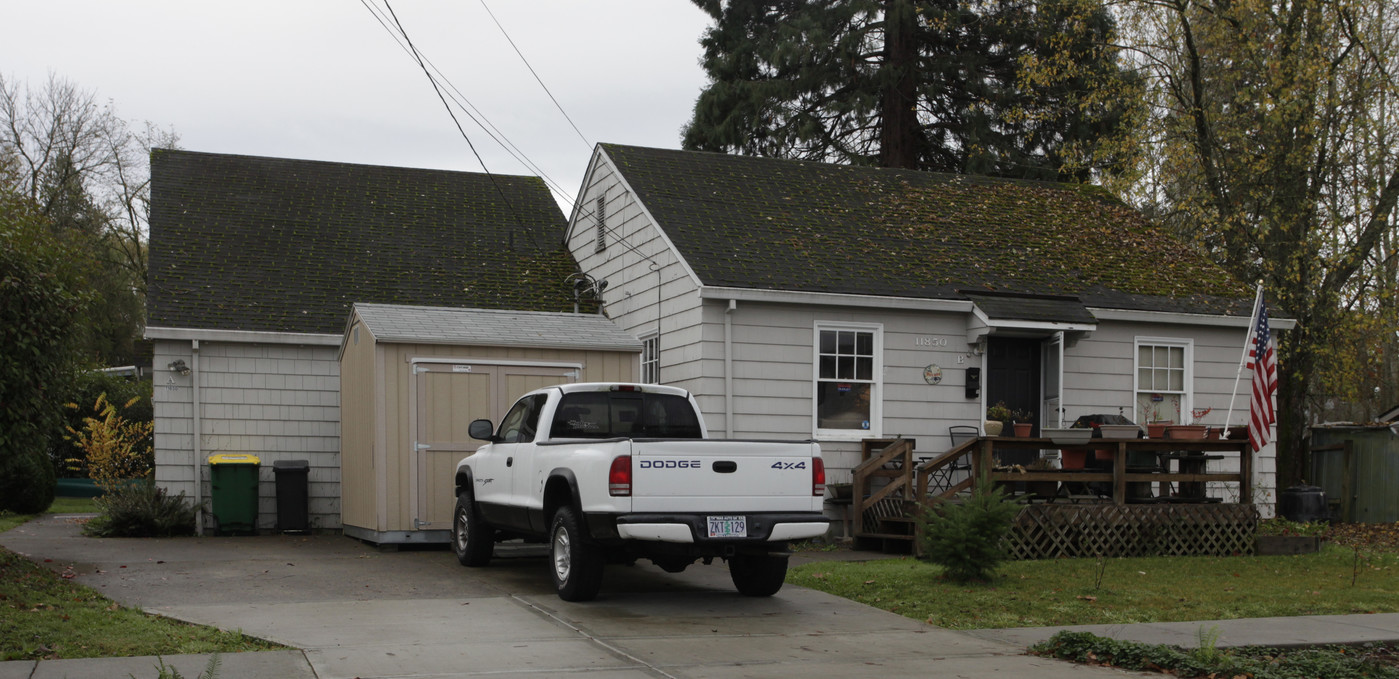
357 611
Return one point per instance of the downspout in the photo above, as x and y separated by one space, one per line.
198 453
729 369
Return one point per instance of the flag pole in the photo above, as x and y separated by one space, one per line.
1243 360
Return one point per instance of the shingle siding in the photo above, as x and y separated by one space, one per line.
239 413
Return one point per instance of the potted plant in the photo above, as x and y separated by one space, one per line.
1190 432
1023 423
996 417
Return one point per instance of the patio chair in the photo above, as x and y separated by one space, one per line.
941 480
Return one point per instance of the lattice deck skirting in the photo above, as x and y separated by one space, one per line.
1048 531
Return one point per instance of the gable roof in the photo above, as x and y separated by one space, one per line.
279 245
747 222
494 327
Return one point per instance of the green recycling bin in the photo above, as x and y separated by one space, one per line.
233 492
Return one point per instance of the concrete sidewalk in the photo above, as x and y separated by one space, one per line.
354 611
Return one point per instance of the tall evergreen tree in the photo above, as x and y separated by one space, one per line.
1018 88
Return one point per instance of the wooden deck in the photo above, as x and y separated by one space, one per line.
1120 509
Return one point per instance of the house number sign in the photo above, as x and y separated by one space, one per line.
932 374
929 341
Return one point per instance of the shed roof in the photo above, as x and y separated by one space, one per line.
765 223
279 245
494 327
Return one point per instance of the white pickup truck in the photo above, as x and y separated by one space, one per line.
609 473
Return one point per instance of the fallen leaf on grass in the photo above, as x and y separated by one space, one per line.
1086 597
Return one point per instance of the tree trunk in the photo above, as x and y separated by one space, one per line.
899 131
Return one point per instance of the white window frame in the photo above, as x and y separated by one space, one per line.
876 384
1187 393
651 359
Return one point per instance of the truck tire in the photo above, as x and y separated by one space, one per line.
577 561
758 575
472 540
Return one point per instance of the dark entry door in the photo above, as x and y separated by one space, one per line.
1013 376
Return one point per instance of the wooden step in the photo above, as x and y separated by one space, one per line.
887 536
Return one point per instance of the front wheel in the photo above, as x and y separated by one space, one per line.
472 541
577 561
758 575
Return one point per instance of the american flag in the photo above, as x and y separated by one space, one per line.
1263 361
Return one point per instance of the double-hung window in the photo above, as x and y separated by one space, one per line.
1163 379
848 380
651 359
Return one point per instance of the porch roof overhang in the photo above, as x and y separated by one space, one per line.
1026 315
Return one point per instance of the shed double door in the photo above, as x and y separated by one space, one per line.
449 397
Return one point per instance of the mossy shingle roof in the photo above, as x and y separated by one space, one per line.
280 245
777 224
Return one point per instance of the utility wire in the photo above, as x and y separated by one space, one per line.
529 233
487 127
478 117
536 75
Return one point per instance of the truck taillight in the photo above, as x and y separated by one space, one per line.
818 476
619 477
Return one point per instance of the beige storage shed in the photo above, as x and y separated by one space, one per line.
412 378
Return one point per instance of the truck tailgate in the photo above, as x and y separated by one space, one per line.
706 475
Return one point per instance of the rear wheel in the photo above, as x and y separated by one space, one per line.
577 561
758 575
472 541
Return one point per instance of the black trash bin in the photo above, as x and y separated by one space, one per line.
293 496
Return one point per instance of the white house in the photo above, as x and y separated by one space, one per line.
807 300
254 265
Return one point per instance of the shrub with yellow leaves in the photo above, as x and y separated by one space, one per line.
118 449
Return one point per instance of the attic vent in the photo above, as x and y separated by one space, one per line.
601 214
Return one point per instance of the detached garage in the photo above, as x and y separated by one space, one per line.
412 378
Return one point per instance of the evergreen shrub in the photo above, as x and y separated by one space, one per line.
964 537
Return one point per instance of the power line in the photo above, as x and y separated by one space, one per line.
536 75
423 63
529 233
467 107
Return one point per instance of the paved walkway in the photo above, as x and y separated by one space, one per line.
354 611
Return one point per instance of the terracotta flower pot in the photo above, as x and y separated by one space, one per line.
1157 430
1186 432
1023 429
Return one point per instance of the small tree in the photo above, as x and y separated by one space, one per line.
965 537
117 449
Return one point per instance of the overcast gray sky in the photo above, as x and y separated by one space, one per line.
323 80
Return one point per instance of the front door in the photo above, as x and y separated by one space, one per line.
1013 376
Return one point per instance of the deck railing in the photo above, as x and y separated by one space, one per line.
890 510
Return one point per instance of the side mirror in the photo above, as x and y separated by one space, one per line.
481 429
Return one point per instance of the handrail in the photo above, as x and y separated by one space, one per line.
863 497
924 470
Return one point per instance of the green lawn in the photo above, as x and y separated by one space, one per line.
44 615
1116 591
